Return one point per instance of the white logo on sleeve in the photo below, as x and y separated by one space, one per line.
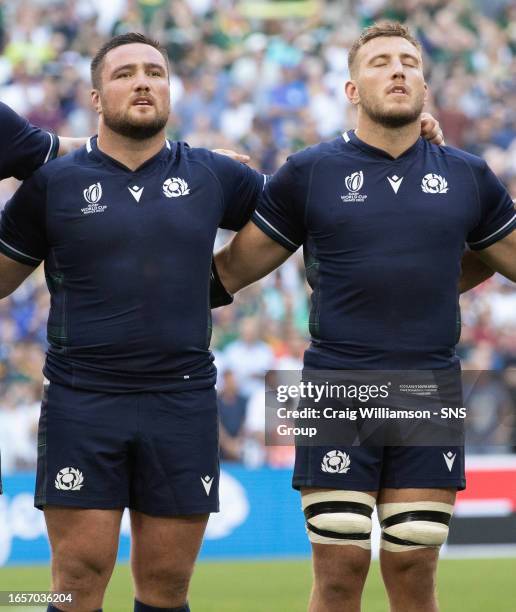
207 481
434 183
175 187
69 479
395 182
136 192
336 462
92 195
354 183
449 457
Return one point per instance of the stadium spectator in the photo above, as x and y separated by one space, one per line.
232 414
249 357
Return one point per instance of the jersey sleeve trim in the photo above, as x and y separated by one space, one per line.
500 233
17 255
273 233
53 149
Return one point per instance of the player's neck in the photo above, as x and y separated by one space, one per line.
392 140
128 151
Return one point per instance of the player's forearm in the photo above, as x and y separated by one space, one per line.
501 256
235 272
12 275
251 255
474 271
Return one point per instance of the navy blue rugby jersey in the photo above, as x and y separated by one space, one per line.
127 261
383 240
24 147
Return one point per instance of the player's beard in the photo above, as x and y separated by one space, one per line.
123 125
392 118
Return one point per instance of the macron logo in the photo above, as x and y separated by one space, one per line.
449 457
136 192
395 182
207 481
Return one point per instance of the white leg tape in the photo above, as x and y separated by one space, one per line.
347 513
413 525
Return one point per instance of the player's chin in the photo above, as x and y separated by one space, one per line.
401 115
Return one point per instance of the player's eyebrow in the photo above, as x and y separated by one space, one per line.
133 66
387 56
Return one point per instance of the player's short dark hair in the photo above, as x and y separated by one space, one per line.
383 28
123 39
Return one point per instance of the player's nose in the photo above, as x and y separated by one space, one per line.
398 70
142 82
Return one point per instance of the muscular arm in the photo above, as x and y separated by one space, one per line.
249 256
474 271
12 275
501 256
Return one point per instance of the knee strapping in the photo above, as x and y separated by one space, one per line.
412 525
339 517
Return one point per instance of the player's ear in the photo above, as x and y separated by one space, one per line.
352 92
95 100
425 97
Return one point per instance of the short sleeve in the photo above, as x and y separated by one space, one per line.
280 213
25 147
22 224
242 187
497 212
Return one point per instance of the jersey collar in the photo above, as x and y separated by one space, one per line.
164 154
351 138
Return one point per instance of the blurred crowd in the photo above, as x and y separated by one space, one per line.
255 78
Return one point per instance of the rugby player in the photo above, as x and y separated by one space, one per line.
126 227
383 217
26 147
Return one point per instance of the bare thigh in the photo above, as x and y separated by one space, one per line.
84 544
163 554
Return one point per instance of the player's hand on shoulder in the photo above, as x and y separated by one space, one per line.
431 130
239 157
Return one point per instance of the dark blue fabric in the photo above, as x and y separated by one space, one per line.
383 240
372 468
24 147
156 453
127 261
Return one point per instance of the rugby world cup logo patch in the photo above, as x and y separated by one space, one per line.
175 187
336 462
354 183
93 193
69 479
434 183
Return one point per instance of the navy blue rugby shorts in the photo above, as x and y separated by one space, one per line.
155 453
371 468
